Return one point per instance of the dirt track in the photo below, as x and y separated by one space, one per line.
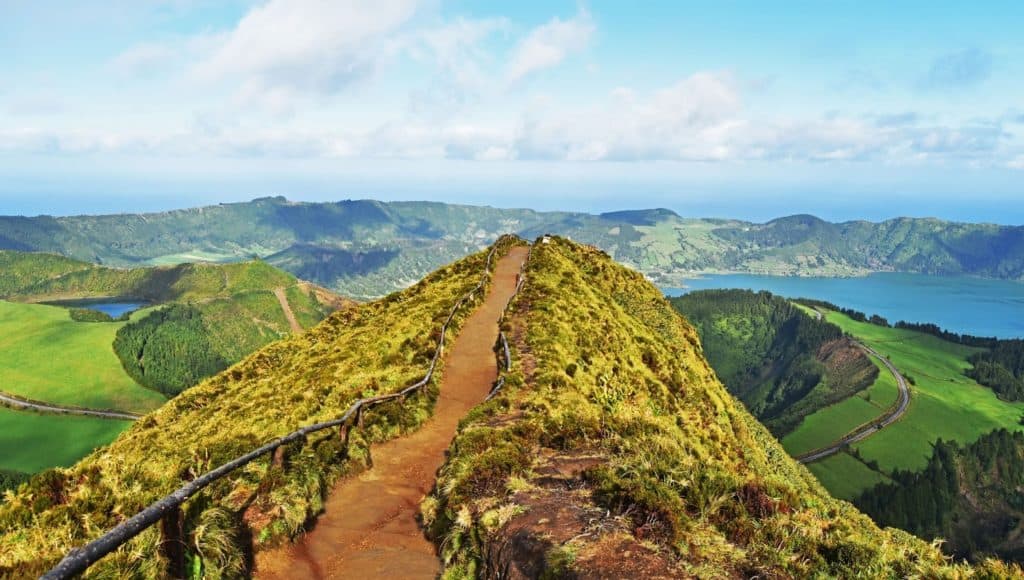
369 528
282 298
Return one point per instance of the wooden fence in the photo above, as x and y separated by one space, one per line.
167 511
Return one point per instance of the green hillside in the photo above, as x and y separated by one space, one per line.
781 362
612 423
218 313
47 356
359 351
368 248
971 495
945 403
614 452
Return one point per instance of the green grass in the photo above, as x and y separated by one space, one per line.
831 423
945 403
845 477
46 356
31 442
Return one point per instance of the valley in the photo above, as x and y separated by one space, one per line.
110 361
945 403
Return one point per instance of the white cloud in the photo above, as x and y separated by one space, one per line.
549 44
142 59
287 48
1017 163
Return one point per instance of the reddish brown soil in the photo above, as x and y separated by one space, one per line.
369 528
287 308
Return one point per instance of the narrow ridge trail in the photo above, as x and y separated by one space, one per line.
369 528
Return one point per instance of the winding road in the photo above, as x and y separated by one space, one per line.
26 405
873 427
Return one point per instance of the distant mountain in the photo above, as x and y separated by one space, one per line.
368 248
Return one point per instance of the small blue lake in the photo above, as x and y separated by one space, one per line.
113 308
977 306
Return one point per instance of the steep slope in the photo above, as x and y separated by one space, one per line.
782 363
614 452
366 248
969 495
368 349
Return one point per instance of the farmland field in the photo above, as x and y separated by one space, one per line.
831 423
31 442
46 356
945 404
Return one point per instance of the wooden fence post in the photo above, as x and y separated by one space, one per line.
172 542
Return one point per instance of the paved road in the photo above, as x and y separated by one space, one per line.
874 426
19 403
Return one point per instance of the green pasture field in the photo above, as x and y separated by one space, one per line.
829 424
945 404
46 356
32 442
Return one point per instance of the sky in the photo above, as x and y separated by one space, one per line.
845 109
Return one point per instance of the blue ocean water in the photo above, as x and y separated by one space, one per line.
961 304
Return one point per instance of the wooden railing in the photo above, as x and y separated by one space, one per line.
167 511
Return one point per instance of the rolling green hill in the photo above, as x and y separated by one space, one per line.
369 248
611 422
971 495
783 364
215 314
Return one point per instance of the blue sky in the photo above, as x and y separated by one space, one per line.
741 109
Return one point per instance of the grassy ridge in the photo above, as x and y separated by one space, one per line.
357 352
613 436
40 277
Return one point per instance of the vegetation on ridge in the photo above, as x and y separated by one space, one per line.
613 436
368 349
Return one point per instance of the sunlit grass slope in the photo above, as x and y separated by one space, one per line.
32 442
368 349
614 437
945 403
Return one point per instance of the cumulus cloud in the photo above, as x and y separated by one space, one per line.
285 48
548 45
962 69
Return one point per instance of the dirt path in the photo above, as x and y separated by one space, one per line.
369 528
287 308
